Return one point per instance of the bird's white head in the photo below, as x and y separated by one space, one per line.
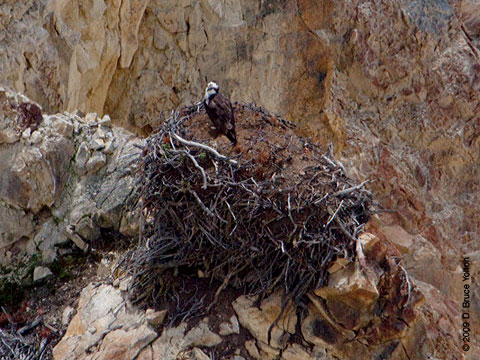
211 91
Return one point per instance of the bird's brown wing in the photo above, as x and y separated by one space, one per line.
223 109
220 111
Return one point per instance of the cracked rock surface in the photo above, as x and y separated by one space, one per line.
393 84
48 192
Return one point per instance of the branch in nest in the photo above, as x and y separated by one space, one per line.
350 189
202 146
340 223
204 176
332 216
202 205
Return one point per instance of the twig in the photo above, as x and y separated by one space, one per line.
342 227
468 39
29 326
234 218
223 286
202 146
409 286
5 343
204 176
329 161
72 235
350 189
43 347
202 205
332 216
50 327
323 198
9 318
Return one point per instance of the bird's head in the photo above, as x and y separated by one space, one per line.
211 91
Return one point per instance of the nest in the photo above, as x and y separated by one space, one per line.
14 346
274 211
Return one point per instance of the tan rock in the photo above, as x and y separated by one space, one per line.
170 343
105 121
38 174
91 119
32 176
399 237
338 264
231 327
375 250
258 321
129 224
337 320
103 320
131 13
14 224
40 273
26 133
109 146
267 352
76 238
8 136
124 344
81 158
96 162
198 354
424 262
201 335
97 144
318 331
155 318
91 53
174 341
368 241
146 354
352 287
47 237
296 352
67 315
63 126
252 349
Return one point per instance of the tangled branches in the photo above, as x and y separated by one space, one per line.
16 347
274 212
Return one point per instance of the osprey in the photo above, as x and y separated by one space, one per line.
220 111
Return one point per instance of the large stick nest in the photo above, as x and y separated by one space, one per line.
274 211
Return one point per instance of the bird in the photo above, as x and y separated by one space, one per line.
220 111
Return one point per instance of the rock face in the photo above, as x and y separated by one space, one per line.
394 84
365 312
372 307
105 322
34 159
48 191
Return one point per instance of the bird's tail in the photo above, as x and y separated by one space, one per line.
232 137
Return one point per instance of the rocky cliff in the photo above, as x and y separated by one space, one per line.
393 84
